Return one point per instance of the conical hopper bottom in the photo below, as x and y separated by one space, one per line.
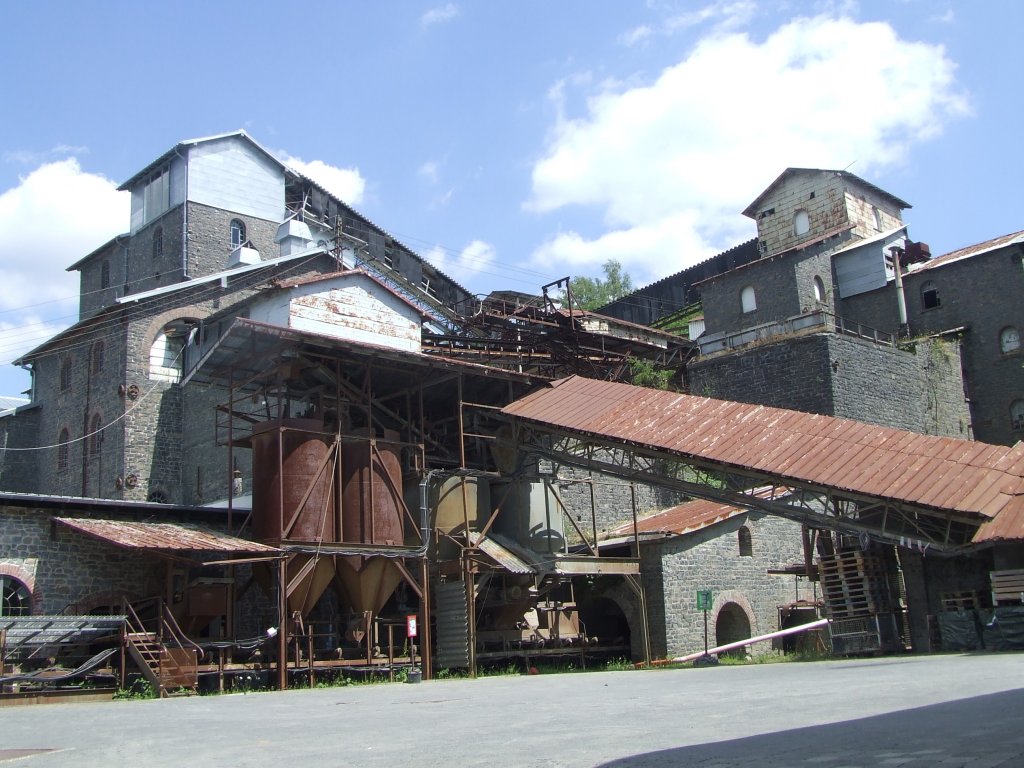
307 581
367 582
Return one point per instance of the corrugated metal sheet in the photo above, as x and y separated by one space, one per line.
971 250
890 464
452 618
163 536
687 517
502 555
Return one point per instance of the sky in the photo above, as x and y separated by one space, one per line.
510 144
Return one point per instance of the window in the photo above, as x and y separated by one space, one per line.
65 374
748 301
745 544
62 449
1017 415
1009 340
237 233
929 295
878 217
97 357
156 197
819 289
801 222
105 275
158 242
95 435
158 496
15 598
167 356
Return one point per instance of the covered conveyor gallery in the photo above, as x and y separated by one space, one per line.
899 487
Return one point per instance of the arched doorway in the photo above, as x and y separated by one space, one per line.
602 618
732 625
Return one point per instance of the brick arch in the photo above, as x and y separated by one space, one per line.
26 577
157 323
625 599
739 598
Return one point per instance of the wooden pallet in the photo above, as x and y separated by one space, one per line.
1007 586
960 601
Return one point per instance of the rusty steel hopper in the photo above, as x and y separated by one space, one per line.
372 512
293 500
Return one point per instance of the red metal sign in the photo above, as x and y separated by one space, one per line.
410 625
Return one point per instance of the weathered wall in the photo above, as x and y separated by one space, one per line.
709 559
836 375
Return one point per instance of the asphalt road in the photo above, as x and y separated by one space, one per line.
913 712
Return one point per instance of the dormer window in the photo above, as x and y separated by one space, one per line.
801 222
237 233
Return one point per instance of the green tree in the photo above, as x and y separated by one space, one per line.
593 292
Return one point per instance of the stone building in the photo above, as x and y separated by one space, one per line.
750 562
213 222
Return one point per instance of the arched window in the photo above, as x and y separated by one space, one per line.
878 217
745 544
97 357
929 295
748 301
105 275
1017 415
158 242
1009 340
15 597
237 233
63 449
165 358
819 289
65 373
801 222
95 435
158 496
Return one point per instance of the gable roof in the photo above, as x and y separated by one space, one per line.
751 210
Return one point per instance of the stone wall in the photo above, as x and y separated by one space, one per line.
919 389
674 570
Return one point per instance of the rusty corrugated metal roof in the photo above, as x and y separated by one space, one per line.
971 250
935 472
689 516
502 555
169 537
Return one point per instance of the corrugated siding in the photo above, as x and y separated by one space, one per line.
452 625
162 536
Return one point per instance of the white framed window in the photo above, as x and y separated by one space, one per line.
1009 340
801 222
748 299
237 233
819 289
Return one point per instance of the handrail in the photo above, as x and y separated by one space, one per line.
175 631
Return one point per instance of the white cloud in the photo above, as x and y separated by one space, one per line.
476 257
429 171
347 184
56 214
440 14
671 163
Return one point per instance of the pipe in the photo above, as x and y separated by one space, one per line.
750 641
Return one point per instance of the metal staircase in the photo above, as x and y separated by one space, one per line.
168 660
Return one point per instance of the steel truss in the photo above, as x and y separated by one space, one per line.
906 525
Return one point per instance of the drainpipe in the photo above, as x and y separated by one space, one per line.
184 220
901 299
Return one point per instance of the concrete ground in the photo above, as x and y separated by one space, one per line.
915 712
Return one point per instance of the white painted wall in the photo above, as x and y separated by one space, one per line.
230 173
350 307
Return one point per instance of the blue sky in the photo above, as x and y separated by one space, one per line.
511 144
